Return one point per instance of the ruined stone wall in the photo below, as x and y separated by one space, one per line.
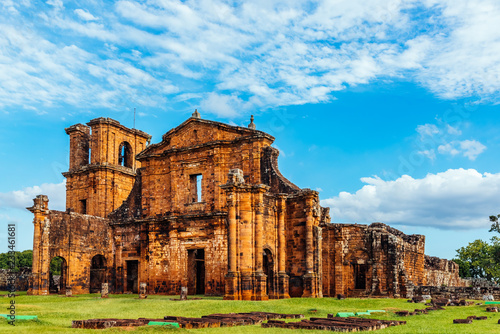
170 165
98 184
460 292
361 260
168 246
442 272
302 218
21 281
104 189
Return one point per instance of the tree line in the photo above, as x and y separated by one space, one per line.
21 259
481 259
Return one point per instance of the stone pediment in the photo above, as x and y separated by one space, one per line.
196 132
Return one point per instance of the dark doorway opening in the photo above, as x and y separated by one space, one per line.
97 273
196 272
360 276
58 274
133 276
268 264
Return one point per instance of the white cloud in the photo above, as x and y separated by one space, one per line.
222 105
431 154
453 130
21 199
449 148
427 130
472 148
263 53
84 15
455 199
468 148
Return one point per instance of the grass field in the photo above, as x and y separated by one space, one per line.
55 313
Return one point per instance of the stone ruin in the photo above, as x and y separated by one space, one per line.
207 208
336 324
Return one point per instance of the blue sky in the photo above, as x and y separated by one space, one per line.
390 108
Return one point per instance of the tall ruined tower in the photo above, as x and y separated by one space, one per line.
102 165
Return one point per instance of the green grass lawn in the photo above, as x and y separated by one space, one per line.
55 313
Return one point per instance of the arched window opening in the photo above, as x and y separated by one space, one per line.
58 273
97 273
268 266
125 155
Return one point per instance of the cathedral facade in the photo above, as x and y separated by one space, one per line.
206 208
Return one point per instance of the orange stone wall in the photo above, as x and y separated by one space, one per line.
390 261
95 174
253 236
74 237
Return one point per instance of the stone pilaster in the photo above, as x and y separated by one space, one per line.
260 279
283 278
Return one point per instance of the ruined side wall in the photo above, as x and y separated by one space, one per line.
454 292
361 260
77 239
442 272
21 279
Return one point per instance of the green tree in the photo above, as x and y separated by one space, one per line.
480 259
495 227
56 265
22 259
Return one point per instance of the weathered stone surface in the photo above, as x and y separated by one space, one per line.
469 292
208 321
462 321
143 290
442 272
336 324
104 290
488 297
20 279
206 208
184 293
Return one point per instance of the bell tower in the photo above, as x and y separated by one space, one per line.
102 165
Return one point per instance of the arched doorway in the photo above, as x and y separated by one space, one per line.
268 266
97 273
58 275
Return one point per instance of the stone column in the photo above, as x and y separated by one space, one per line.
310 279
104 290
260 282
283 278
232 290
41 262
247 249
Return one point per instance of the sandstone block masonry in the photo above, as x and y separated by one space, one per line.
206 209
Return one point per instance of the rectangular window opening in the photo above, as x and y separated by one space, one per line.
83 206
195 188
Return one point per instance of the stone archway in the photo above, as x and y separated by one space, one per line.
58 275
97 273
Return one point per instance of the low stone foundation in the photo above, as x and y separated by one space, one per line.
21 282
452 292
